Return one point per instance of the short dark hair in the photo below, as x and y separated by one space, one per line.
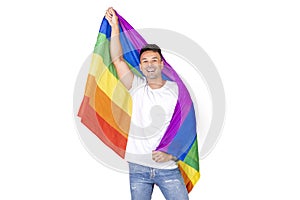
151 47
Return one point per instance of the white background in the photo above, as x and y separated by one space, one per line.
254 45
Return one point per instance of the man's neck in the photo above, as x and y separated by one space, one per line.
156 83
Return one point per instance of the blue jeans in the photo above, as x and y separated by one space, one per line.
169 181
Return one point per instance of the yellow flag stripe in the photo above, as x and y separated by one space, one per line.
190 172
109 84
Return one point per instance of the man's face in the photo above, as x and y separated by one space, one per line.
151 64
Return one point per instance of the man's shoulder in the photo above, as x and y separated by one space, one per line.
137 81
172 85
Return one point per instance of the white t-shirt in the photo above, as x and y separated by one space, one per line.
152 111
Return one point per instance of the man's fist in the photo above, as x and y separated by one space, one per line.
111 16
159 156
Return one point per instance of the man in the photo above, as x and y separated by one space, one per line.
153 101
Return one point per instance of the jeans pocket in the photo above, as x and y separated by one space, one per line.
135 168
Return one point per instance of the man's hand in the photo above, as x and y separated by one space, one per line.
159 156
111 16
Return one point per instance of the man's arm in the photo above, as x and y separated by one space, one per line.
116 53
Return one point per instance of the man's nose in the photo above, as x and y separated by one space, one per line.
149 63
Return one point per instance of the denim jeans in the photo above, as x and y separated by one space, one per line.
143 179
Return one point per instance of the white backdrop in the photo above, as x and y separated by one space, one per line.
254 45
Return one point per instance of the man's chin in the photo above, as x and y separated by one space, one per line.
151 77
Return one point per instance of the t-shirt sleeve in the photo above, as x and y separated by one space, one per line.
137 81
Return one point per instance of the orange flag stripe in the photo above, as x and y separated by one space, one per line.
106 108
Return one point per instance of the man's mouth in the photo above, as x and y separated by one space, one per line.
150 70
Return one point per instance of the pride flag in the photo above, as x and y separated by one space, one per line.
106 106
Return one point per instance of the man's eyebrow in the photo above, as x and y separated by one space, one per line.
154 57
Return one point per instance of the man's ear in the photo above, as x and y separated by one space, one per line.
162 64
140 67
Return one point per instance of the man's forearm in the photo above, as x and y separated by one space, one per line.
116 52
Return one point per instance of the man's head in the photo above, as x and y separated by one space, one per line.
151 62
151 47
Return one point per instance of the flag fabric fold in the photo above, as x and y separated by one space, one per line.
106 105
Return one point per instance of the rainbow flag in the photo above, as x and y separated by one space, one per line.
106 106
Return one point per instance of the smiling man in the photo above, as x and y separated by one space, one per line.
151 65
153 104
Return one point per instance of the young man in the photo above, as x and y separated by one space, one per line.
153 101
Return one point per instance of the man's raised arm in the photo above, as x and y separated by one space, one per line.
116 53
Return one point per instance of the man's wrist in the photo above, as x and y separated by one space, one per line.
115 26
174 158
